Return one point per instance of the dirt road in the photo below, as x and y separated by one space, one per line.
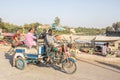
85 71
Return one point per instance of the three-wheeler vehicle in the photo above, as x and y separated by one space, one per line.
59 58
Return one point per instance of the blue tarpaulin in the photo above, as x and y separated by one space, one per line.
54 26
59 28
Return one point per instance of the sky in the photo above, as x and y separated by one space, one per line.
73 13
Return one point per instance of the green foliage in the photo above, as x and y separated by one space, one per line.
116 26
109 28
36 24
80 30
1 23
11 27
89 31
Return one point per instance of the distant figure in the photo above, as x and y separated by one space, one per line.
105 49
71 38
1 37
2 41
29 38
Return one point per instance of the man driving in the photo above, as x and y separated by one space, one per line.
50 43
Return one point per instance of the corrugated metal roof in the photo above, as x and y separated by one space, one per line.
105 39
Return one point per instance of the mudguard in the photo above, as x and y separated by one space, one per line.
19 55
71 59
16 56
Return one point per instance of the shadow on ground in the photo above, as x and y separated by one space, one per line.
9 57
55 67
98 65
108 64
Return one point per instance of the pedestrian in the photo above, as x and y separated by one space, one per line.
105 49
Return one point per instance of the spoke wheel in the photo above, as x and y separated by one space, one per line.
69 66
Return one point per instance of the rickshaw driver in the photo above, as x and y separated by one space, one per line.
49 43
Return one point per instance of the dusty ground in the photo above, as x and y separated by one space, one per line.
98 58
87 69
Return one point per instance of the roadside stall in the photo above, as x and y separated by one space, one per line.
99 41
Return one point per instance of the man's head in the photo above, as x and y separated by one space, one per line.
44 30
31 30
50 31
106 44
58 37
17 32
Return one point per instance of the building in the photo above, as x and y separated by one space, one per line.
45 26
113 41
72 30
93 41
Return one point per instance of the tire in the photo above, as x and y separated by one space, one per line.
20 63
67 66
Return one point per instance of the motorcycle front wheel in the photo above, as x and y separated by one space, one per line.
69 66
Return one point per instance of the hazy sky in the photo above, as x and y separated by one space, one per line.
74 13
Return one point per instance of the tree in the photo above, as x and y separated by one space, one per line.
109 28
36 24
116 26
1 23
26 26
0 20
11 27
57 21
